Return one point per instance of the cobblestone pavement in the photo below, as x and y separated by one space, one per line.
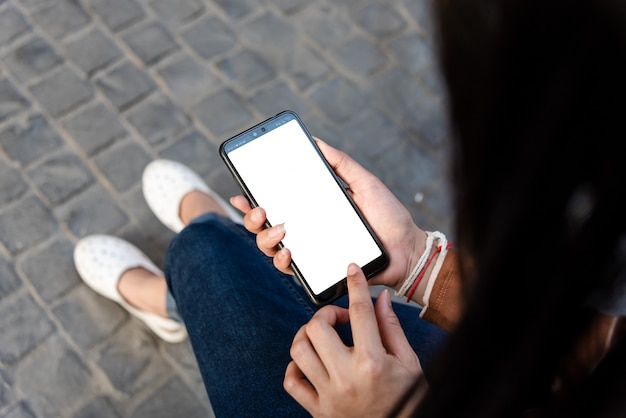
92 90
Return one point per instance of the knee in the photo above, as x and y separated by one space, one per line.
196 243
206 254
193 263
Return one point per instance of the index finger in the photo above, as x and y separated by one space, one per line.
363 321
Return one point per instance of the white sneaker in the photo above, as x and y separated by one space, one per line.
102 259
166 182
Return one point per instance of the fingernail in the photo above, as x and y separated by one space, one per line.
353 269
386 296
257 214
276 231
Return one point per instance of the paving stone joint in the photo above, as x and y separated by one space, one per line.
93 90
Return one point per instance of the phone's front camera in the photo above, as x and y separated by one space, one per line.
262 129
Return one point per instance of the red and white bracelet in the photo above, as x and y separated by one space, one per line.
417 274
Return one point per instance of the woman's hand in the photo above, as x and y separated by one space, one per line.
330 379
389 219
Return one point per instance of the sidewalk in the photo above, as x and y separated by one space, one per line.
92 90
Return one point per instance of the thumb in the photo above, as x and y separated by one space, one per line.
391 333
347 168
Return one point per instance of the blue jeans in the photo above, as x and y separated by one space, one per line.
242 314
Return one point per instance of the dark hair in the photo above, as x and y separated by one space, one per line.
536 94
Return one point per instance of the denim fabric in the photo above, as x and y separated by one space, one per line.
242 314
171 308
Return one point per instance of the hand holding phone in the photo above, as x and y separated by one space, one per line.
278 166
389 219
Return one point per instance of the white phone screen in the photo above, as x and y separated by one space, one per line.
286 176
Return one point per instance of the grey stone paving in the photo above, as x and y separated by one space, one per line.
92 90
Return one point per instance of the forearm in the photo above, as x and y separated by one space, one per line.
440 297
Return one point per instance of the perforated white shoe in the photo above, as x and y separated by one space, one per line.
166 182
102 259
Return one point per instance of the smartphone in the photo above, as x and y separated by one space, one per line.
278 166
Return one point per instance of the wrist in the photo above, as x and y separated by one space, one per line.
415 399
413 250
420 249
420 290
431 255
417 251
417 294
